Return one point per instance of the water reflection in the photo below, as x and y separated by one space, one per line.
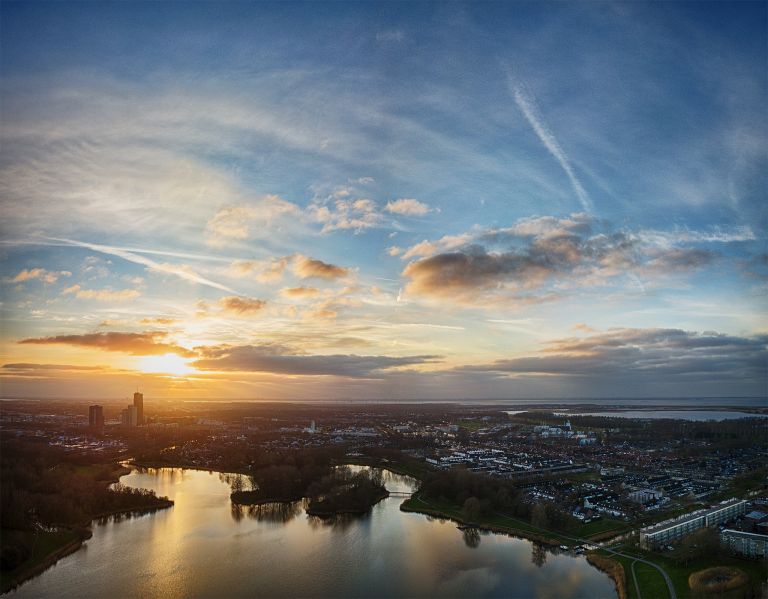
471 537
269 512
538 554
204 547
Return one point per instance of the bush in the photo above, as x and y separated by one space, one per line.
717 580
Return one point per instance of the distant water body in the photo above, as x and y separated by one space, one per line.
205 547
732 402
695 415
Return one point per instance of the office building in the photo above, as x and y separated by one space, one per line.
138 402
129 416
96 417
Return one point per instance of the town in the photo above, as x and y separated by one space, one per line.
645 483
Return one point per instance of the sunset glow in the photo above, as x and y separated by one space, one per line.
406 204
165 364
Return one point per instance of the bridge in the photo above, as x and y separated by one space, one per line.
399 494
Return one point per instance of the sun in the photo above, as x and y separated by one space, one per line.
166 364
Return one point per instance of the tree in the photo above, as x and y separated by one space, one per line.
539 516
471 509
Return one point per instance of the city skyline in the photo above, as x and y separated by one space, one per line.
422 201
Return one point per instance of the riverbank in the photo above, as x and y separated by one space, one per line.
493 524
613 569
49 547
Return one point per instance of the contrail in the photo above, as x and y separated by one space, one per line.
528 108
188 275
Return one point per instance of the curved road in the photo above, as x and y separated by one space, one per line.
667 579
634 578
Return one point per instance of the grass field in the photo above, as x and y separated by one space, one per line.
601 526
679 574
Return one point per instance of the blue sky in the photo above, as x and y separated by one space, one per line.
384 200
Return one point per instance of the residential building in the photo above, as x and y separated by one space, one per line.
674 530
744 543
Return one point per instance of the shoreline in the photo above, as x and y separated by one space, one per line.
86 532
320 514
613 569
513 532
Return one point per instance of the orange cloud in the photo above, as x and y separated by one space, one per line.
102 295
138 344
40 274
241 305
306 268
300 291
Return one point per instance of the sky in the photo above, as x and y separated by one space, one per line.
383 200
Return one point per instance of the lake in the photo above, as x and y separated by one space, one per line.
695 415
205 547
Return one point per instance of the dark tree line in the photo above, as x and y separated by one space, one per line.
43 488
345 492
481 495
285 475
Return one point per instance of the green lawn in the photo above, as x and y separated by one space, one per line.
652 583
601 526
680 573
495 520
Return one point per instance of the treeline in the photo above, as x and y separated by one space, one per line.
738 433
41 489
284 475
345 492
480 495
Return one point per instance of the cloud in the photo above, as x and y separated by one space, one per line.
102 295
644 356
26 366
139 344
530 112
236 222
279 360
265 271
426 248
241 305
341 213
295 292
40 274
539 258
394 250
407 207
305 267
159 320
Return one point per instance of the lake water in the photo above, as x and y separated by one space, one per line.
697 415
205 547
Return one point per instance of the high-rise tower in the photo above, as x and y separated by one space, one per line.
138 402
96 417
